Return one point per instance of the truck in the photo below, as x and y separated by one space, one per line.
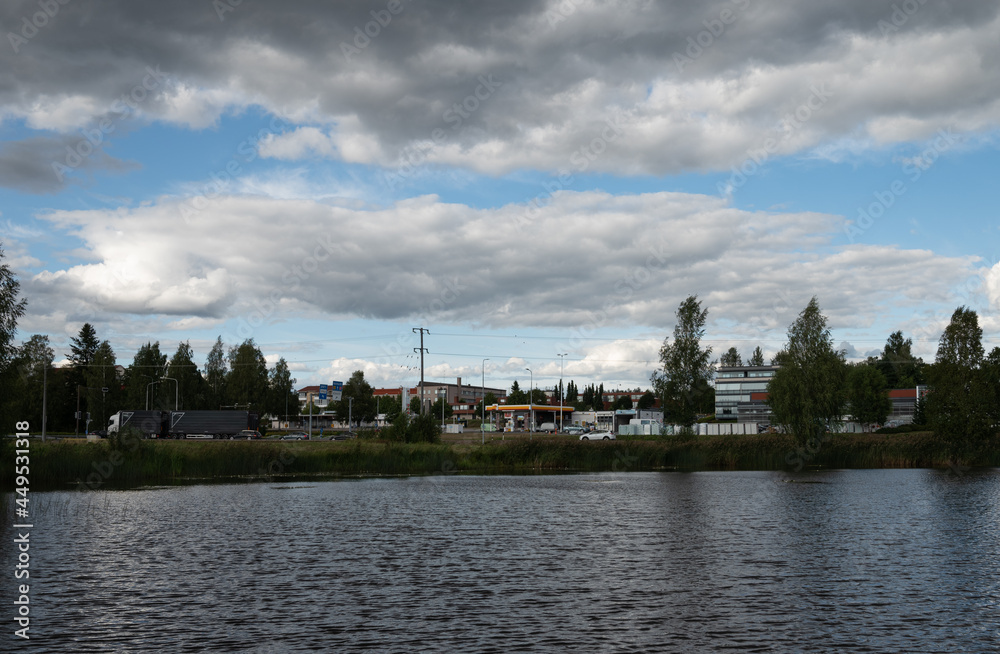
183 424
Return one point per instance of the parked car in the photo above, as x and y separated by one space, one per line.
295 436
598 436
574 430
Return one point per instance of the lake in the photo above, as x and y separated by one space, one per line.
837 561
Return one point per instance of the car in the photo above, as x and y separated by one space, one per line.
574 430
295 436
246 435
598 436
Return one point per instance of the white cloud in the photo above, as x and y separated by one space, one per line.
587 261
298 144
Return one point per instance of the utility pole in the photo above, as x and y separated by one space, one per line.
45 397
531 402
482 423
562 363
421 349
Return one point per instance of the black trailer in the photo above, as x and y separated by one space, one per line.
149 423
215 424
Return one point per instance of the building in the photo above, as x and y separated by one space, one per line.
463 398
741 393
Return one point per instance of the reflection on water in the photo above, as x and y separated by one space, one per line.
873 561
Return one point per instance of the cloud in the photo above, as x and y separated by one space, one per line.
585 261
50 164
465 88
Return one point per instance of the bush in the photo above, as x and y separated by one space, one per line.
424 429
396 431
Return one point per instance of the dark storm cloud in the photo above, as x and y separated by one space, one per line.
695 84
49 164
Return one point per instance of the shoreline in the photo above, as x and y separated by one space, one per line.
58 465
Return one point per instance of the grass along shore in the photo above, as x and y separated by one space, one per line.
71 463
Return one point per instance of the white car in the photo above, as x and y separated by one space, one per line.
598 436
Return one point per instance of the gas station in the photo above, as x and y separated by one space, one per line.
527 417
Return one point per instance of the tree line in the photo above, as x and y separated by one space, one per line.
236 377
814 386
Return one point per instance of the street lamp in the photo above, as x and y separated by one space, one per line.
531 401
482 424
177 391
147 392
562 364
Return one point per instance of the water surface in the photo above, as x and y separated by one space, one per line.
846 561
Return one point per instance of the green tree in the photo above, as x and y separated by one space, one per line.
622 402
415 405
102 374
957 404
83 346
190 389
357 400
441 405
81 355
216 371
516 395
991 380
416 429
148 366
731 358
757 358
647 401
897 363
682 382
33 358
390 406
571 392
246 383
282 400
868 394
597 398
920 411
490 400
538 396
11 309
424 429
807 392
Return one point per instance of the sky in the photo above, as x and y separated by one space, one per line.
522 179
